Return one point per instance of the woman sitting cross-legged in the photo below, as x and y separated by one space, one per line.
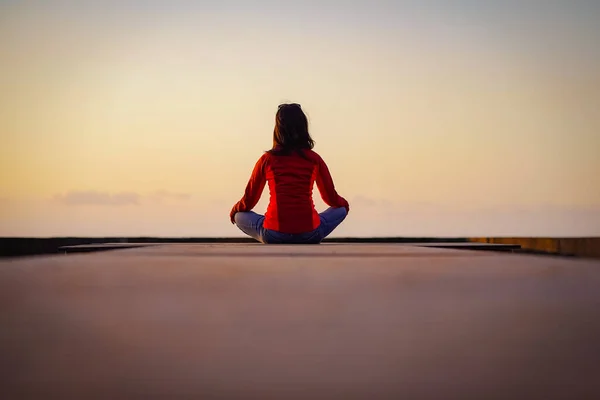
290 168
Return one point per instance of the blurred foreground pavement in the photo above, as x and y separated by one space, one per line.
333 321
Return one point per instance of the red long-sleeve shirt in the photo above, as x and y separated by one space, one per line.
291 179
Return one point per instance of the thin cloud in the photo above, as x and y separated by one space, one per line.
162 194
364 201
99 198
370 202
95 198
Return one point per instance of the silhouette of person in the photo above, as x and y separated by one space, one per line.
290 168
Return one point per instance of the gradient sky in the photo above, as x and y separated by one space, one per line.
436 118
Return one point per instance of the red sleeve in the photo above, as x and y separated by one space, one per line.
254 188
327 188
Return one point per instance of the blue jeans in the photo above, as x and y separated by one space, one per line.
251 224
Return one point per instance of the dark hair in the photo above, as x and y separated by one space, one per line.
291 131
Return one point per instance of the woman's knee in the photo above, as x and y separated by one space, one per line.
237 217
338 214
244 217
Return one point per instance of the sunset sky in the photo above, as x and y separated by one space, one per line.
436 118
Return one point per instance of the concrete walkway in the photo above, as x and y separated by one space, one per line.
334 321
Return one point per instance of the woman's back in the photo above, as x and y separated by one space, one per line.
291 180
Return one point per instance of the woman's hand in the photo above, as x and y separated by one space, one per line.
345 204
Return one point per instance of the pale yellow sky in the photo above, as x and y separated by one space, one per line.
137 121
